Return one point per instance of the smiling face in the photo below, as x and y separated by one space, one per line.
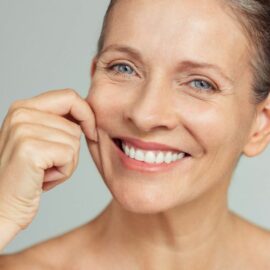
175 73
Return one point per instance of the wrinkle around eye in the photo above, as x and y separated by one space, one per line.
106 76
138 67
114 75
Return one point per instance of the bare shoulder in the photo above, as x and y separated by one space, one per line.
22 261
254 243
260 242
55 253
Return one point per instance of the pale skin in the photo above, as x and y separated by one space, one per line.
173 220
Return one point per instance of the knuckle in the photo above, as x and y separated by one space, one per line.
17 115
14 105
25 146
71 92
19 130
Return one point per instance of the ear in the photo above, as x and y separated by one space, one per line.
260 134
93 66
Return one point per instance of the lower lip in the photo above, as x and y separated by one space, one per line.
141 166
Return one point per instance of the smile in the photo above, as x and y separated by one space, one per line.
151 157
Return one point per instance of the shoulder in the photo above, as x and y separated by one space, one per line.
37 257
21 262
55 253
254 243
259 247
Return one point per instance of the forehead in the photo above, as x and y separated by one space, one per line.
165 30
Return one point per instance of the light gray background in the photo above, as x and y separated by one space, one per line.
47 45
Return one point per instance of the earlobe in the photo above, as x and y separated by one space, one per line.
260 135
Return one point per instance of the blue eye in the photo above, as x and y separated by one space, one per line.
122 68
201 85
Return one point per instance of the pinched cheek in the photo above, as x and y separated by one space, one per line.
105 109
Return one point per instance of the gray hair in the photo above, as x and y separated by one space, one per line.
254 17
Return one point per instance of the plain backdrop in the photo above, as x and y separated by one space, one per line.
47 45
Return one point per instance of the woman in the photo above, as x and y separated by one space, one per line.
180 91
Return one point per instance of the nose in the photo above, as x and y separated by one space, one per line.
152 108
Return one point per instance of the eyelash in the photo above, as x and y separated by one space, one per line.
212 88
115 72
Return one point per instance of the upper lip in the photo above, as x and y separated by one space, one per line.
149 145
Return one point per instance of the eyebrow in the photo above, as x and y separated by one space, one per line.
121 48
186 64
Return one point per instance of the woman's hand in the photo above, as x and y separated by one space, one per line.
39 149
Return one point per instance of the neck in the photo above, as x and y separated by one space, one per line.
187 235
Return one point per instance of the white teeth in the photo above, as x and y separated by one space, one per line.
151 156
180 156
160 158
132 152
174 157
168 157
126 149
139 155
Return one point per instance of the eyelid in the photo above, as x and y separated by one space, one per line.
215 86
115 69
133 63
123 62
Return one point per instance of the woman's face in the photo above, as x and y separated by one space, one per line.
175 73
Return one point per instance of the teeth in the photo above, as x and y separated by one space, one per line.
168 157
160 158
152 156
139 155
126 149
174 157
132 152
180 156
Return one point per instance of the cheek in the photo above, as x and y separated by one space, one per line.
106 105
214 127
212 124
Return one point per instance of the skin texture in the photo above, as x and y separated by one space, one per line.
178 219
39 149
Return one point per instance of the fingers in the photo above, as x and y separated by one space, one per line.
26 115
25 169
50 185
47 119
39 148
63 102
22 131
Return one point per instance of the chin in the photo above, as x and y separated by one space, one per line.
143 199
